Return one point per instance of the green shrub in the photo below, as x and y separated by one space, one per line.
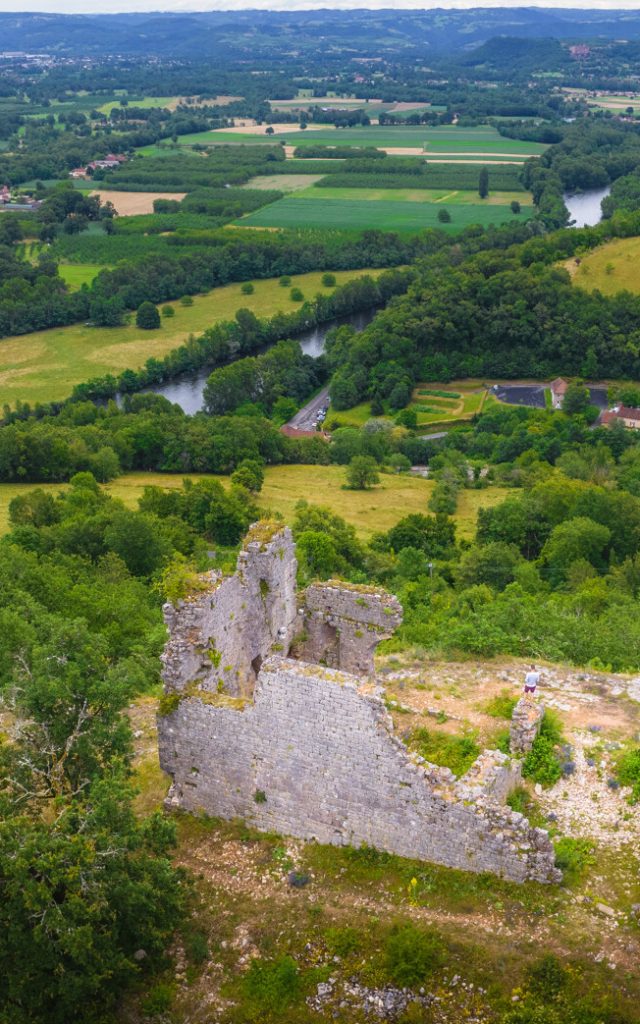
413 954
455 752
168 311
284 281
328 280
247 288
147 317
573 857
159 1000
502 705
296 295
628 772
542 764
270 986
186 300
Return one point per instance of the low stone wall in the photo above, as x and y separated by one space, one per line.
315 757
526 721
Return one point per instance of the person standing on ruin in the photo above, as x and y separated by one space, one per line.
531 681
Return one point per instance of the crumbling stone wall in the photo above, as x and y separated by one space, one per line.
314 756
306 749
526 721
219 637
344 624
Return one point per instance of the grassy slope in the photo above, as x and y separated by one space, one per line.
369 511
45 365
611 268
291 212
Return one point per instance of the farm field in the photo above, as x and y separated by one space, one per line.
442 142
45 365
129 204
356 215
610 268
77 274
371 511
144 104
443 197
282 182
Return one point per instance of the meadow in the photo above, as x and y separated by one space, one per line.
371 511
610 268
358 215
45 365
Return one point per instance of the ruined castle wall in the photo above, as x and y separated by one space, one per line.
526 722
219 636
344 625
315 757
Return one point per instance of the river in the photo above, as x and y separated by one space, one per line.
186 391
584 207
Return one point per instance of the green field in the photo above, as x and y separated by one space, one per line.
143 104
460 142
441 196
610 268
45 365
396 496
77 274
358 215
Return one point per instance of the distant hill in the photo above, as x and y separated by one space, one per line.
255 34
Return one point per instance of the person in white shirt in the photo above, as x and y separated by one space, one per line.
531 680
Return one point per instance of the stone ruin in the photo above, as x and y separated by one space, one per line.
271 713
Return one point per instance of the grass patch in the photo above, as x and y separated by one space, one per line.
501 706
45 365
455 752
77 274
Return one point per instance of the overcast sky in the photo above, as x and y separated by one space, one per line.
114 6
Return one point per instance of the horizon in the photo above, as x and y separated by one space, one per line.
79 7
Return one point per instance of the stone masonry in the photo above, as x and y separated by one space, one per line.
345 624
525 725
308 749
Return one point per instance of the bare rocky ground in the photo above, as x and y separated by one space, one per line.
260 896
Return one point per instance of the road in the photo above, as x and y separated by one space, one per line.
305 418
